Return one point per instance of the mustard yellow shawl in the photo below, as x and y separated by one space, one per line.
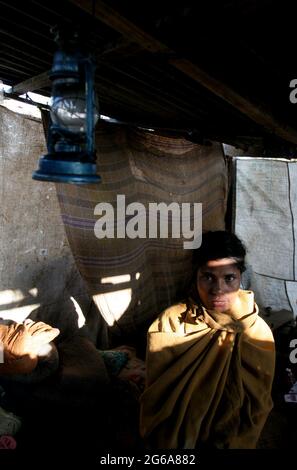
209 377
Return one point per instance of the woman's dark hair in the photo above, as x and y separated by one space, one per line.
217 245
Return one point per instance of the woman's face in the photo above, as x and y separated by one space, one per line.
218 282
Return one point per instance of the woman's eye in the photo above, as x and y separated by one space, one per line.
207 277
229 278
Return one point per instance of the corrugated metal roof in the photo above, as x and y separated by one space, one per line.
210 67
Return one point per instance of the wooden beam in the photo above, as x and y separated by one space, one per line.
259 114
35 83
25 100
256 112
112 18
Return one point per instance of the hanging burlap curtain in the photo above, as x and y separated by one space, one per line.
144 167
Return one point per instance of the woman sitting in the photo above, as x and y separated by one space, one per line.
210 360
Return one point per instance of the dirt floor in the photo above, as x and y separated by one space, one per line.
87 421
280 431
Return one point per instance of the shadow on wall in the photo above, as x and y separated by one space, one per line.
128 303
53 293
118 301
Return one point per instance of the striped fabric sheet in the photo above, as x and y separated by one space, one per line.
146 168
